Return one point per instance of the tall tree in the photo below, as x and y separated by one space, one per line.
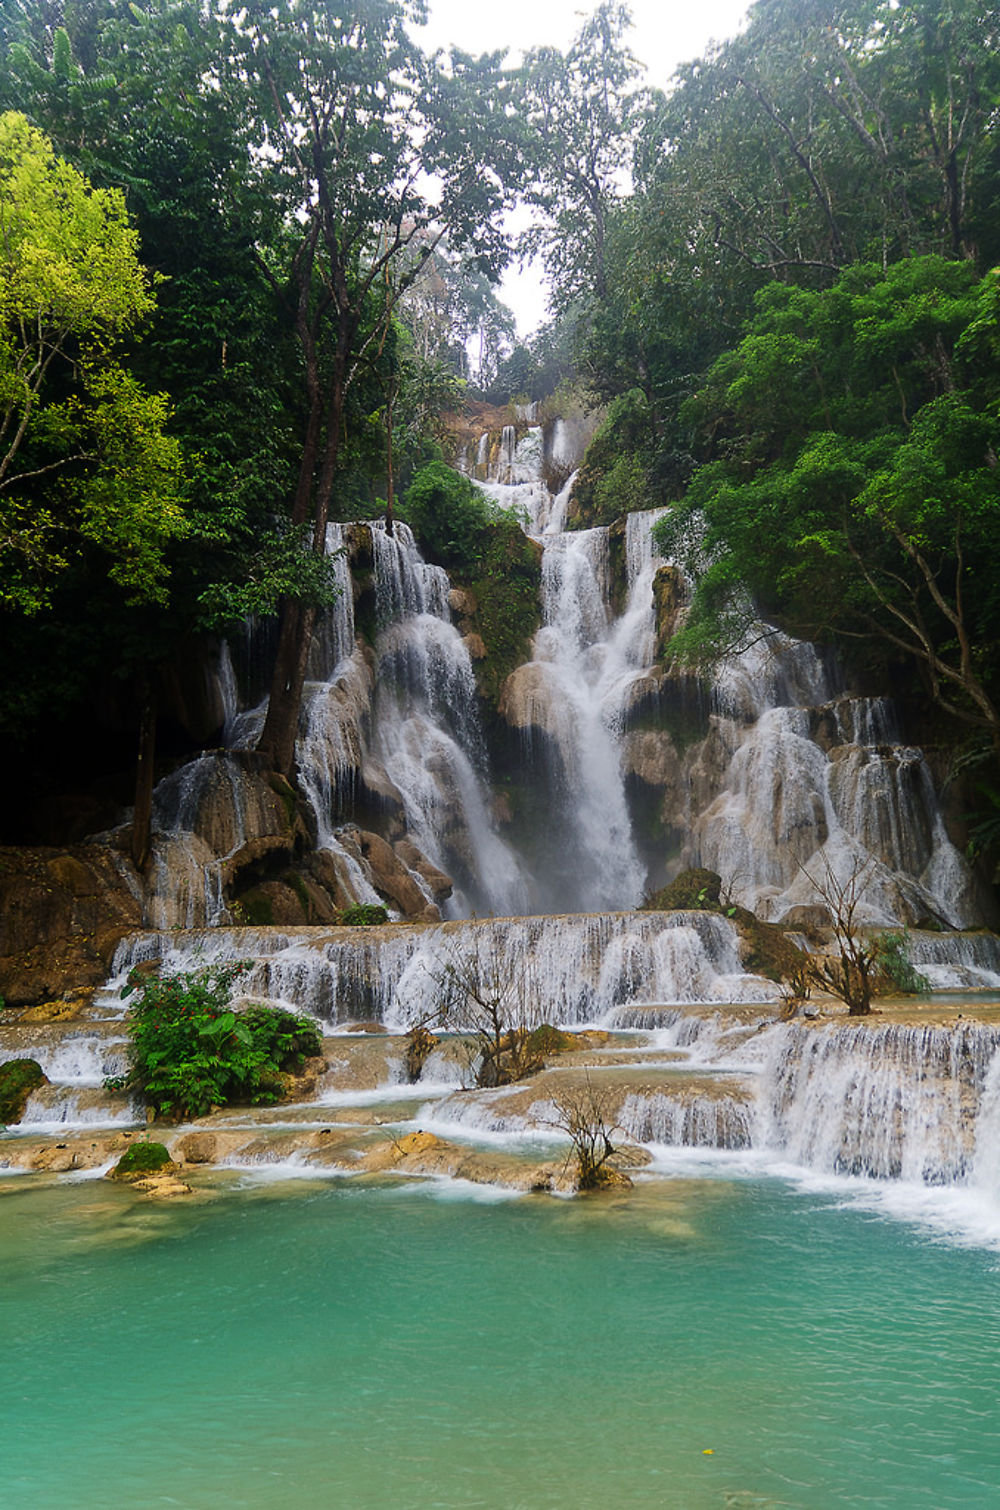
582 110
854 489
358 147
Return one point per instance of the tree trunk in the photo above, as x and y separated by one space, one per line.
277 739
145 761
390 511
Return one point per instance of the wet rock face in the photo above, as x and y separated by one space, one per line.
62 912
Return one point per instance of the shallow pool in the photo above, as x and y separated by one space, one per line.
329 1345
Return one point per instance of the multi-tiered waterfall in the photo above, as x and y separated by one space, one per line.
777 776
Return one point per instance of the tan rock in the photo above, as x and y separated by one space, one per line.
161 1186
670 594
197 1147
390 877
650 756
439 884
462 602
476 646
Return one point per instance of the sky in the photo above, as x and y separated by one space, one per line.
666 33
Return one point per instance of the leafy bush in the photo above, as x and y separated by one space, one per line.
449 516
18 1078
189 1051
364 915
893 962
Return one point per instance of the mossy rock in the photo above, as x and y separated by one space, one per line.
141 1159
692 891
765 948
546 1040
18 1078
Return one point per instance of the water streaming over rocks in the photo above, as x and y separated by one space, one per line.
776 776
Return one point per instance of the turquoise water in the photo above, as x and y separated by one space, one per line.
318 1346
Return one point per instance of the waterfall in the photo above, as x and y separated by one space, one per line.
889 1102
427 732
575 968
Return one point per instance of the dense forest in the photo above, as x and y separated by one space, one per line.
248 271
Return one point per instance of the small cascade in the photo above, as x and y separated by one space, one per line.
888 1101
689 1120
574 968
572 698
798 785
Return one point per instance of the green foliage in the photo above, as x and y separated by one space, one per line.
189 1051
18 1078
697 890
547 1040
84 452
448 515
507 590
892 960
142 1158
852 487
580 114
615 476
364 915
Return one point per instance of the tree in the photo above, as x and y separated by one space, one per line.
853 489
84 453
586 1114
481 992
347 125
581 111
850 972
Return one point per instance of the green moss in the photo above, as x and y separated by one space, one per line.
141 1158
18 1078
615 476
766 950
507 591
546 1040
285 791
691 891
364 915
292 879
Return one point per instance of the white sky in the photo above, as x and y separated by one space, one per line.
666 33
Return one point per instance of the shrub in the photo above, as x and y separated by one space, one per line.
364 915
189 1051
893 963
448 514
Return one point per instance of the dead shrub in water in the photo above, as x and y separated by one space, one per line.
585 1114
494 998
420 1044
850 973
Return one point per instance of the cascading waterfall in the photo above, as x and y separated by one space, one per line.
427 735
575 968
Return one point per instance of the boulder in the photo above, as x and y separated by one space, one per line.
462 602
197 1147
141 1160
439 884
650 757
62 914
390 877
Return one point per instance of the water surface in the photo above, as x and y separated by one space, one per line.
315 1346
